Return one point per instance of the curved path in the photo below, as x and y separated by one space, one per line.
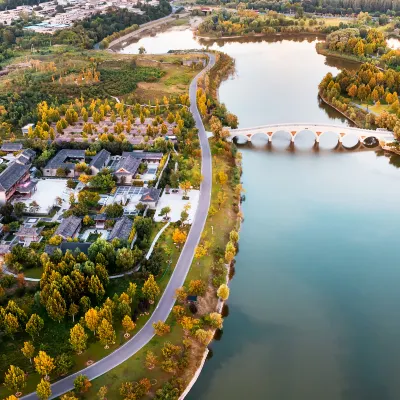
178 276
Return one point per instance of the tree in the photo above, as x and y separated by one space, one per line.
114 210
185 186
69 396
15 379
142 50
179 236
187 323
216 320
64 362
92 319
43 390
19 209
178 312
78 338
125 259
150 288
131 291
44 364
11 324
55 306
102 393
230 252
223 292
82 384
128 324
34 325
106 333
234 236
222 178
73 310
96 288
221 199
151 360
204 336
181 294
197 287
28 350
161 328
165 211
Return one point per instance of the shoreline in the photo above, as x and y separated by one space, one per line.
259 35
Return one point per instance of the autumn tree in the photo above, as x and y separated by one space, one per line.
181 295
161 328
222 178
82 384
223 292
197 287
92 319
151 360
204 336
43 390
44 364
11 324
187 323
352 91
179 236
150 289
14 379
102 393
185 186
128 324
72 311
56 307
34 325
28 350
178 312
216 320
78 338
106 333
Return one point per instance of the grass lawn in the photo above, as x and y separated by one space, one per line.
34 272
377 109
93 237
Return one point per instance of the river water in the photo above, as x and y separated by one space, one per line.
314 305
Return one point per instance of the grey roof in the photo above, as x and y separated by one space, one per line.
50 249
129 164
121 229
12 174
150 194
29 153
60 159
11 146
143 155
28 231
68 226
22 159
100 159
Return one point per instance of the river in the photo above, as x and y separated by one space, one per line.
313 311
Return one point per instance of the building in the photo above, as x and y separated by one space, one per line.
26 157
11 178
69 227
122 229
99 161
150 197
11 147
63 163
100 220
144 156
27 235
126 169
25 129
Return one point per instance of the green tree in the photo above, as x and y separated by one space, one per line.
34 325
96 288
82 384
56 307
11 324
73 310
125 259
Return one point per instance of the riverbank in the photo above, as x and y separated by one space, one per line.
208 37
357 122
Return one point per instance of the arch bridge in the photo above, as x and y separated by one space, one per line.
383 136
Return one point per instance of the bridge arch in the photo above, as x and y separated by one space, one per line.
265 134
283 130
240 135
300 131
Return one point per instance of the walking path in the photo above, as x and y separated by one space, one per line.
178 277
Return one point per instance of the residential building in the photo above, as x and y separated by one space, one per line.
25 129
11 147
65 160
27 235
150 197
26 157
99 161
11 178
144 156
122 229
126 169
69 227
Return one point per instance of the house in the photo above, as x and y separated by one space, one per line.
122 229
11 147
99 161
25 129
150 197
100 220
27 235
14 175
69 227
26 157
126 169
63 163
144 156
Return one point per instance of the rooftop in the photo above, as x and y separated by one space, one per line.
11 146
150 194
128 165
60 160
143 155
121 229
68 226
12 174
100 159
28 231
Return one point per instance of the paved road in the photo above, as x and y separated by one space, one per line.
177 279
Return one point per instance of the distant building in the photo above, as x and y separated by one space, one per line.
65 159
150 197
126 169
11 147
144 156
121 229
69 227
25 129
28 235
99 161
11 178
